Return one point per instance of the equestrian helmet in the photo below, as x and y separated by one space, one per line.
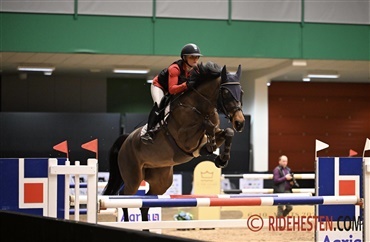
190 49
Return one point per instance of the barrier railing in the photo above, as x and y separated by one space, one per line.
91 170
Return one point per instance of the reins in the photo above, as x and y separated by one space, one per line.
209 125
207 116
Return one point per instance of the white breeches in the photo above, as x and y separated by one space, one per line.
157 94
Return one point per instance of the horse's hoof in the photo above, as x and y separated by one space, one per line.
220 163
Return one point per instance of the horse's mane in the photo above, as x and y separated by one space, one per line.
204 72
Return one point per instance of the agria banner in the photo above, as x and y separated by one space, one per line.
340 176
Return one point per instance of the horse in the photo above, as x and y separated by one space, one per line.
191 129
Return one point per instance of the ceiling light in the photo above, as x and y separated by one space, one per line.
323 74
130 71
299 63
36 68
149 79
306 79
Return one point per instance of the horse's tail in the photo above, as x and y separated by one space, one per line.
115 181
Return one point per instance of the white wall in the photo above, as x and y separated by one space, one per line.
322 11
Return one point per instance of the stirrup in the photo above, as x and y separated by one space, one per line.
147 138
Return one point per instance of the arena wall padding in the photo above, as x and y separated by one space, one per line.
26 228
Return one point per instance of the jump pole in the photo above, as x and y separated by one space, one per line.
218 202
83 198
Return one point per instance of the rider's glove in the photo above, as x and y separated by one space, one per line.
190 83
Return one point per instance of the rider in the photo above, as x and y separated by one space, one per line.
171 80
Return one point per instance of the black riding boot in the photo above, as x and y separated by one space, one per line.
148 137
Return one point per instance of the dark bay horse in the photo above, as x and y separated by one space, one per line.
190 129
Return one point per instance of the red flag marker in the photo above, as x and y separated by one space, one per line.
352 153
91 146
62 147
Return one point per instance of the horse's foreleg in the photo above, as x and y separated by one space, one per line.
211 134
226 136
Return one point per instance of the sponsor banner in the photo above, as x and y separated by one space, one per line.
24 186
340 176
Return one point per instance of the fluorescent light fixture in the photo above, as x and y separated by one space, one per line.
299 63
323 74
36 68
306 79
130 71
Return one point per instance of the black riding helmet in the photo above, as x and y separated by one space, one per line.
190 49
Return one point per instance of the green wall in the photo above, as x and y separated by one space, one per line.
59 33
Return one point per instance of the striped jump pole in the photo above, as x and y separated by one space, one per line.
215 202
83 198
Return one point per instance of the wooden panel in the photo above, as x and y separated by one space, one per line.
299 113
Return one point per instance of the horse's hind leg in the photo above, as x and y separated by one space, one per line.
125 214
144 214
159 179
126 191
124 210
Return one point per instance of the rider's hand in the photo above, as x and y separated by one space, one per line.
190 83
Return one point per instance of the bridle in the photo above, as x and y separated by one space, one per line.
220 104
221 101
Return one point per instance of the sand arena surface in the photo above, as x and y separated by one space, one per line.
224 234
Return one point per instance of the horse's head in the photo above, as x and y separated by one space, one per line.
230 98
227 92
